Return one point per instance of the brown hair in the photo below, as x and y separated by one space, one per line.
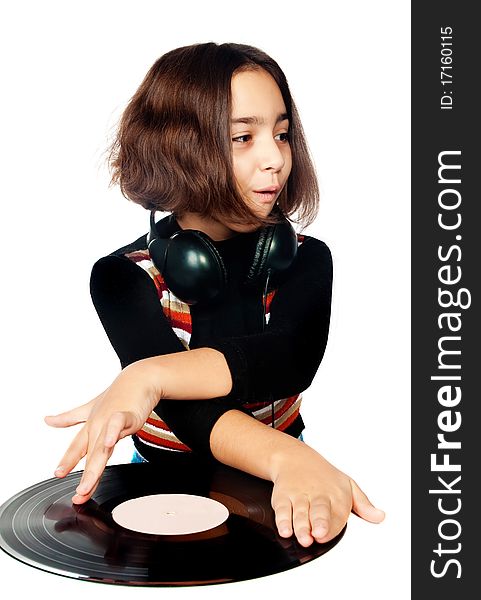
172 150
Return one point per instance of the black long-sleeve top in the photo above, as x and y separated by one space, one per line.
276 361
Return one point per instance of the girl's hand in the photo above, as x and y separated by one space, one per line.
121 410
313 499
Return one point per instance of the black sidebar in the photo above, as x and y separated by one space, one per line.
446 240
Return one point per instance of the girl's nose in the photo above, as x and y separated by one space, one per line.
270 156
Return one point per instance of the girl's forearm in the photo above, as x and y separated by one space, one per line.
242 442
199 374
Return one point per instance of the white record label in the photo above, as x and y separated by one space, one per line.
170 514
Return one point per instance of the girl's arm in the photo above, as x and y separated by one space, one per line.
310 495
124 407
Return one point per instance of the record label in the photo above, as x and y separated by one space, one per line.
170 514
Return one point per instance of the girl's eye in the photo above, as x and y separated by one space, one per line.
242 139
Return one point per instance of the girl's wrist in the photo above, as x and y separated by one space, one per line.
147 375
294 453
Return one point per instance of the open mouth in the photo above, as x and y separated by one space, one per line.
265 196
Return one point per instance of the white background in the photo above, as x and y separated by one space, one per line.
68 70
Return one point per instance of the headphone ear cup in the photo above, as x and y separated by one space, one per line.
275 251
193 269
157 249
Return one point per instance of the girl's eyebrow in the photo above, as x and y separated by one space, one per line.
258 120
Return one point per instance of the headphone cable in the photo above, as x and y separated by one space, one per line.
264 325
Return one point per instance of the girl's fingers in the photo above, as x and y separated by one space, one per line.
363 507
283 516
92 474
71 417
119 425
75 452
101 450
74 416
308 518
301 520
321 520
87 486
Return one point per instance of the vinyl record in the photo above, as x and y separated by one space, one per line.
42 528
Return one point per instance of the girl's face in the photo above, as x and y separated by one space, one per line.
259 132
260 150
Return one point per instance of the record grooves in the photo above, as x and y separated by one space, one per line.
42 528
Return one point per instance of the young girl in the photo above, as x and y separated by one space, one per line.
212 136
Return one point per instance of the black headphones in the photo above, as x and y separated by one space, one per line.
193 268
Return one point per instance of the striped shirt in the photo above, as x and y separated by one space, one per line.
155 432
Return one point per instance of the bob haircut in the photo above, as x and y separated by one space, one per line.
172 150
